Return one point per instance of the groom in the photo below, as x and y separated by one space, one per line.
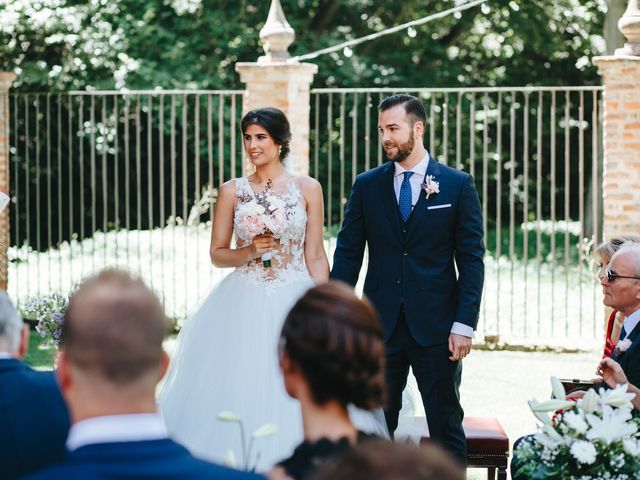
421 221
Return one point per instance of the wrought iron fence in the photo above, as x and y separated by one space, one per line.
113 178
535 154
125 178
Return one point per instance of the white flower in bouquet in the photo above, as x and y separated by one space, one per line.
611 425
618 397
593 438
584 452
576 421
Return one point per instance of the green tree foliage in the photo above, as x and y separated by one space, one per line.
105 44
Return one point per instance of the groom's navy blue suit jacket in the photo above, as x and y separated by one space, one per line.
412 263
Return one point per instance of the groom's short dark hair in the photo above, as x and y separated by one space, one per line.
412 105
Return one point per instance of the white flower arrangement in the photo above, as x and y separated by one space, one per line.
596 437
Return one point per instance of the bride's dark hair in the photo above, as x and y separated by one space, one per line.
275 122
336 341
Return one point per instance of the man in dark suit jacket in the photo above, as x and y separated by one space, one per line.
420 220
108 372
33 417
621 288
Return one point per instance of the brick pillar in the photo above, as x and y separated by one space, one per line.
276 81
6 79
621 173
284 86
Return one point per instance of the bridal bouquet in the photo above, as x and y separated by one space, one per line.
265 213
49 310
594 438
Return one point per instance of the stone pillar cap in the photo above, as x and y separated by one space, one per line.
629 25
6 79
276 35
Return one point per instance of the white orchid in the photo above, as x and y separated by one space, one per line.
611 426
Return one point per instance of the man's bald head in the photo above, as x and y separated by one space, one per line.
114 328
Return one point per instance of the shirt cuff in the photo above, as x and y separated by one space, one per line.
462 329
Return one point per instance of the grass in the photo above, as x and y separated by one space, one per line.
38 356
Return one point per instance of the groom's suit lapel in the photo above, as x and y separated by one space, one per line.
420 210
388 195
633 336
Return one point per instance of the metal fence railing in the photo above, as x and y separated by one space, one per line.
119 178
128 178
535 153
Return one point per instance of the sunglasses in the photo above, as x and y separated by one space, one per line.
611 276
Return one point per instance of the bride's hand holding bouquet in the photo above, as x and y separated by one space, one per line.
261 247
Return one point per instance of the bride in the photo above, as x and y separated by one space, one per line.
226 354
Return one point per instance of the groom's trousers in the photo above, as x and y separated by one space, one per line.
438 380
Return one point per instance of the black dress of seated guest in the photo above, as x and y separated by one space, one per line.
308 456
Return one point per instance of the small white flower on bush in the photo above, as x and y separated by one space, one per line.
584 452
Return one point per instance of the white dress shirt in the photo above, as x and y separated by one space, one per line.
630 322
419 171
135 427
5 356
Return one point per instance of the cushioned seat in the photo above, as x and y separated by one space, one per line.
487 445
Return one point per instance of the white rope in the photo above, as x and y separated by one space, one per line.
413 23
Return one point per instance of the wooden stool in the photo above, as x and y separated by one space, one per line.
487 445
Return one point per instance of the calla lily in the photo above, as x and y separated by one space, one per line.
227 416
557 389
553 405
265 430
589 402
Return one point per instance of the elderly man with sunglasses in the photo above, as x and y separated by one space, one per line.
621 289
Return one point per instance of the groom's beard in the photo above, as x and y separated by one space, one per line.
404 149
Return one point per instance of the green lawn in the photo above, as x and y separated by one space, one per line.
38 357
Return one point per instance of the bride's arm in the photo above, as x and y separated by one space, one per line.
315 256
222 255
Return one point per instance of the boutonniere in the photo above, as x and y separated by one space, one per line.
622 346
430 186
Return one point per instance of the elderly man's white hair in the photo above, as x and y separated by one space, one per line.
10 324
631 249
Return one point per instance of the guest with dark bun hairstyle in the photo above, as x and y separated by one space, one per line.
331 355
379 460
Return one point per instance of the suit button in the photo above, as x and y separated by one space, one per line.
405 253
399 281
404 230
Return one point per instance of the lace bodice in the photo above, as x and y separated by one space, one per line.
287 215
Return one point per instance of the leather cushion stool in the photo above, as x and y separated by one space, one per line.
487 445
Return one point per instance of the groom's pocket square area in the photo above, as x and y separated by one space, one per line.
435 207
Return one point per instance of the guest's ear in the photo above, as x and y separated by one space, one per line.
164 364
24 342
63 372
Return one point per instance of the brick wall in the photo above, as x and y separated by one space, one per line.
621 174
6 79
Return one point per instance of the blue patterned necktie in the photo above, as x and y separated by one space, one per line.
623 333
404 202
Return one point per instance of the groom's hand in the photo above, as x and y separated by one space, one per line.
459 346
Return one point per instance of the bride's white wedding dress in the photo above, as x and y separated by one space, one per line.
226 354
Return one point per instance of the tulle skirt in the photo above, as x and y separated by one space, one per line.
226 360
